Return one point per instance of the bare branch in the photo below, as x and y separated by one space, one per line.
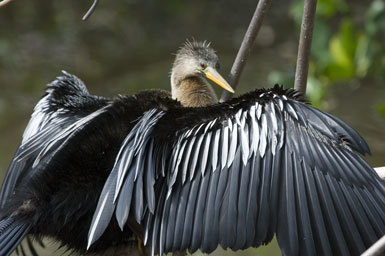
376 249
304 47
4 3
91 10
247 43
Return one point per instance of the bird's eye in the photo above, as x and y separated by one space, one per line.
203 66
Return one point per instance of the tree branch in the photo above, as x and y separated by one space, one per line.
4 3
91 10
304 47
247 43
376 249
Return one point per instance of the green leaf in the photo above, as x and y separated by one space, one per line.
320 49
315 91
284 78
342 48
326 8
381 109
375 18
362 59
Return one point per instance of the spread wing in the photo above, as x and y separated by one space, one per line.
66 101
237 173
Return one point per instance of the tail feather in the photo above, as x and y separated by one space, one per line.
12 232
27 244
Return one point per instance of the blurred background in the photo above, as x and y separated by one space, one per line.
128 45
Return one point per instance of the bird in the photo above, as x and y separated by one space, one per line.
65 103
180 171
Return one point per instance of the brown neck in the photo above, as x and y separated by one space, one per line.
194 92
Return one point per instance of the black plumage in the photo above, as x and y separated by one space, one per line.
94 173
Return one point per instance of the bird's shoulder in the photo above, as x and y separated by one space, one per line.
68 92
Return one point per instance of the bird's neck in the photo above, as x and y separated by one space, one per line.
194 92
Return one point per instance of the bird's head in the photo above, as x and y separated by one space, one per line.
197 59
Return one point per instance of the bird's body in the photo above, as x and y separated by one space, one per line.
186 174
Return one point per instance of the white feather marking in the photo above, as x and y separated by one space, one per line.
65 133
180 155
280 104
233 145
255 131
195 157
123 167
274 121
174 156
245 144
188 133
214 161
273 117
212 123
196 132
252 111
237 117
186 161
205 152
225 146
207 127
274 143
243 118
291 111
230 124
134 144
38 118
259 111
263 138
97 219
33 126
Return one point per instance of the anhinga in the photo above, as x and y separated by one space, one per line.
189 173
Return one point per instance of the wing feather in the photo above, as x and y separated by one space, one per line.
180 216
210 232
196 240
227 221
305 225
349 226
235 174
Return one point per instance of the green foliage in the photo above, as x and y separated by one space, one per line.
325 9
375 31
381 108
342 48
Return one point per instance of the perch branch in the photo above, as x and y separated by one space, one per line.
376 249
247 43
4 3
91 10
304 48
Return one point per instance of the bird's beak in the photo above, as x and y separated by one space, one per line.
214 76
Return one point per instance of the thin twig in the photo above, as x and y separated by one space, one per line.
247 43
304 47
91 10
376 249
5 2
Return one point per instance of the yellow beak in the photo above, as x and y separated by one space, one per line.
214 76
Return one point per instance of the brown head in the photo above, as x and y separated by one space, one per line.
195 62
